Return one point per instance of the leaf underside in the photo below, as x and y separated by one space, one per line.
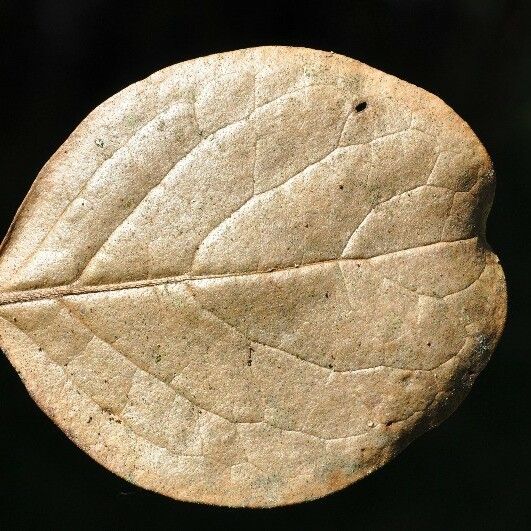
253 278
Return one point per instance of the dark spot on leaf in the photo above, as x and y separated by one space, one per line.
361 106
341 187
250 356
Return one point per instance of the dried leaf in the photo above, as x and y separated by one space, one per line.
254 277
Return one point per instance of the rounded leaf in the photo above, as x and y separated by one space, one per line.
253 278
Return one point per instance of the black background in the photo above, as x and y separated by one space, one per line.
59 59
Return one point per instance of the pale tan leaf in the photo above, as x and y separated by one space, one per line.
253 278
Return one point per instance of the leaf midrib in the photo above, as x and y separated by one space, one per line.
55 292
30 295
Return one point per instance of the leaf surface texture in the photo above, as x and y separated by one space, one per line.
253 278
